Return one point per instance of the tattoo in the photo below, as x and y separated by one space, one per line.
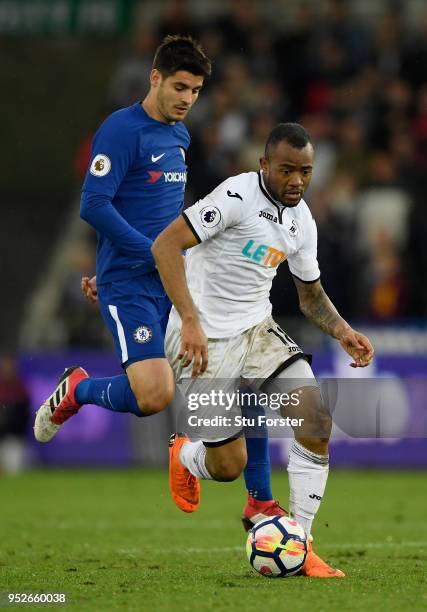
317 307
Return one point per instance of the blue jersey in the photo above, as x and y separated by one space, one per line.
134 188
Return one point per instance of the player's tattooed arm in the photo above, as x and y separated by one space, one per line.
318 308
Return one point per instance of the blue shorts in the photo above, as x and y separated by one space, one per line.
136 312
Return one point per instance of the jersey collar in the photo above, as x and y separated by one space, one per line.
280 207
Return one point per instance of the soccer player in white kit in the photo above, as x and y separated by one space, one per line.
221 326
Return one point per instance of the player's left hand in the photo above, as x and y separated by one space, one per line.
358 347
88 287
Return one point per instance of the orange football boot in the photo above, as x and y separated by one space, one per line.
315 567
184 487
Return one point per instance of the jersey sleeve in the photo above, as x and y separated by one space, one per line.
303 264
222 208
114 149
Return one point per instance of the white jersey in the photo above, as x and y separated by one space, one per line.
244 236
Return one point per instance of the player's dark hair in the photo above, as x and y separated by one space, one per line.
181 53
292 133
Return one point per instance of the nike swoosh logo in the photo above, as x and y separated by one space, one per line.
108 394
155 159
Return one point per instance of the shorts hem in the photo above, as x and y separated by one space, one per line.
223 442
308 358
132 360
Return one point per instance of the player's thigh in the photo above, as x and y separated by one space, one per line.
227 459
135 320
208 411
225 356
271 350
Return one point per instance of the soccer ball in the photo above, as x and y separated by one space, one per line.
277 547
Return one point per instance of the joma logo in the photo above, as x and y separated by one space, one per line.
267 215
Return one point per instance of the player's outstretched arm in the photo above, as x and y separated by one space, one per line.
167 251
318 308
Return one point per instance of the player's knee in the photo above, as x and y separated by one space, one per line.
316 432
324 425
154 401
319 446
319 424
228 469
226 472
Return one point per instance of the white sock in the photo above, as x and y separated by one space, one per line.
308 473
193 455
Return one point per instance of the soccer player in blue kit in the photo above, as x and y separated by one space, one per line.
134 188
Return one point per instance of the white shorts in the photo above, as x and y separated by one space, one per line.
261 352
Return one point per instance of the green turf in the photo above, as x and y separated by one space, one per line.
115 541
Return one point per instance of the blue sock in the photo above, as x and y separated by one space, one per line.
257 471
111 393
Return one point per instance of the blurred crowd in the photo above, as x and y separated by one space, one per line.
14 416
360 88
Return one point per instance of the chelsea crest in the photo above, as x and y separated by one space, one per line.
142 334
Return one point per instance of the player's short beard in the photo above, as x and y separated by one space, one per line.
163 108
272 191
276 196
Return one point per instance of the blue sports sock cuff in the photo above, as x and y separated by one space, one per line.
81 392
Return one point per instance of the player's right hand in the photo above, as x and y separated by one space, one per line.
194 347
358 346
89 289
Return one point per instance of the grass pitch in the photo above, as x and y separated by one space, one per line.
115 541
